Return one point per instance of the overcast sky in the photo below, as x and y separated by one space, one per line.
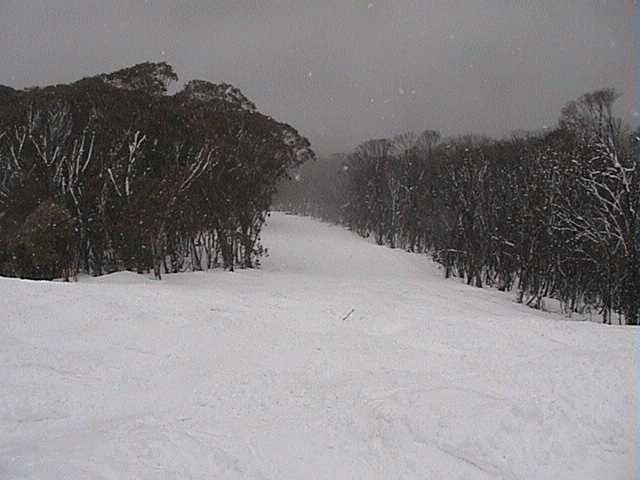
343 71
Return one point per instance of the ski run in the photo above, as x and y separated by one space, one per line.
337 359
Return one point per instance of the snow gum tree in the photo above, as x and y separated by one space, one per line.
552 214
151 182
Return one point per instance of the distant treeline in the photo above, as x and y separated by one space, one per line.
551 215
111 173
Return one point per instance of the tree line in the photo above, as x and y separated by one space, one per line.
553 214
111 173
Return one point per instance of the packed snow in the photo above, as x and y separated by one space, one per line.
336 359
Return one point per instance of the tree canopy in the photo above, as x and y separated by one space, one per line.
148 180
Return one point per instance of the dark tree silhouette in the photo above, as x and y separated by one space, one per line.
149 181
553 215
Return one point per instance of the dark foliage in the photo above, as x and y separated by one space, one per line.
148 181
552 215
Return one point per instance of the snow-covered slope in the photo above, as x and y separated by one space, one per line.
255 374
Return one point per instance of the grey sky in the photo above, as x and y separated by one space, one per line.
342 71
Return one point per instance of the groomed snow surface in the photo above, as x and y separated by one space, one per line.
255 374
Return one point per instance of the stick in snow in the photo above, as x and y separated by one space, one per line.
348 314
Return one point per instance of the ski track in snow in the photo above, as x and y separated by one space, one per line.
255 374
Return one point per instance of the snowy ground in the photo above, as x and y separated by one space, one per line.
256 375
